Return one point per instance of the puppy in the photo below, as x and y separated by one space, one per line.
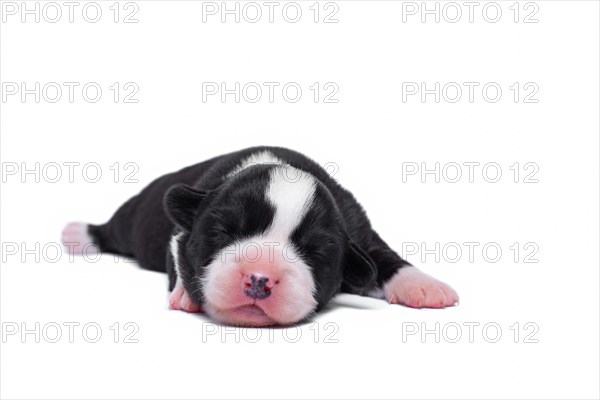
262 236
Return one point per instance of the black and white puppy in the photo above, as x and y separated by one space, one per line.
263 236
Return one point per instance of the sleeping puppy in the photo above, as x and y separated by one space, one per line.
263 236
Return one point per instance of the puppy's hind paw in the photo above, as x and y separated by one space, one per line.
77 240
413 288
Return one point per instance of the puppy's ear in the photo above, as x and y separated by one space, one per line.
359 270
181 204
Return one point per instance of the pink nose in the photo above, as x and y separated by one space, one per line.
258 286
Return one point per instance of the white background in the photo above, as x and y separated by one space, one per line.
369 133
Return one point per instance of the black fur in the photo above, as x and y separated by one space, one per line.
210 211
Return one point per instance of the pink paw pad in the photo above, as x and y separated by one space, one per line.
77 241
180 300
413 288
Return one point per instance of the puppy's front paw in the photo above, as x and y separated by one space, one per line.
179 299
413 288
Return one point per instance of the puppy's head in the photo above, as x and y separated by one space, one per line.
267 247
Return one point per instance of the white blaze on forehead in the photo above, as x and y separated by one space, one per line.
291 192
261 157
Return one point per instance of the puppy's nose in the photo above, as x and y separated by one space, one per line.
257 286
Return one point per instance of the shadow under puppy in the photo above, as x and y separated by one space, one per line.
262 236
